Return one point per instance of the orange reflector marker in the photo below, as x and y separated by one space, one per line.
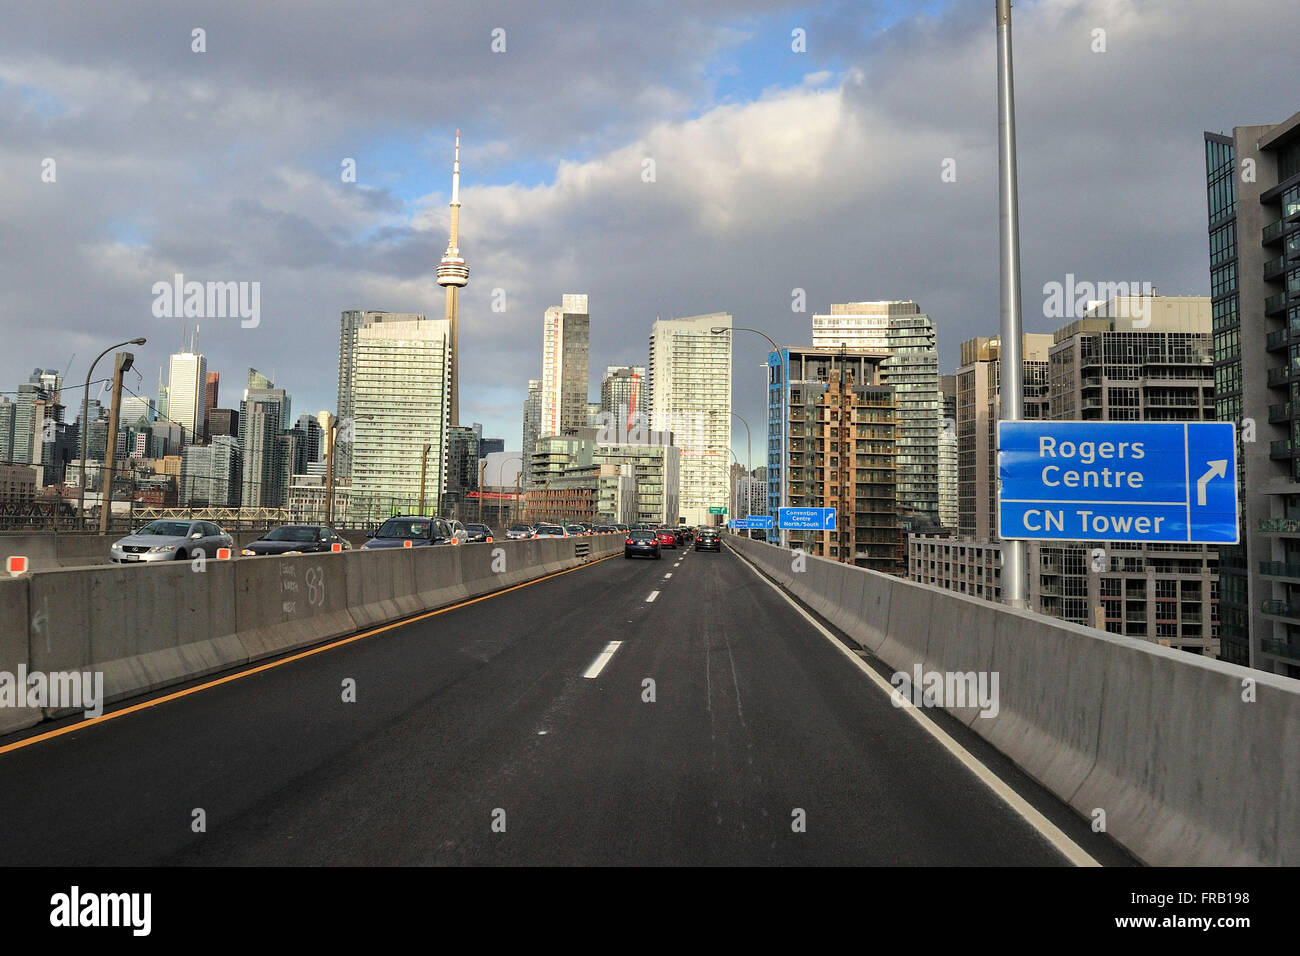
223 554
407 543
16 564
489 540
336 547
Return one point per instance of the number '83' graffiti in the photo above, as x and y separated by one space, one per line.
315 586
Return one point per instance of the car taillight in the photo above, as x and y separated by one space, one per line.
629 541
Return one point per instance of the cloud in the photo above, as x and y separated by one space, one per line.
225 165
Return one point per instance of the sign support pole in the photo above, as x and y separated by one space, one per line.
1011 366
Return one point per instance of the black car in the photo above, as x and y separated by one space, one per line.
478 532
297 539
420 531
641 543
708 541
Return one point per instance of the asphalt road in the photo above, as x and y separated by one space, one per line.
475 738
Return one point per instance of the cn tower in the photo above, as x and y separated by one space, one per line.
453 273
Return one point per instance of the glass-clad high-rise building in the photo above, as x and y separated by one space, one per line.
1253 210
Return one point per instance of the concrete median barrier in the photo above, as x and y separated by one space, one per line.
290 602
15 653
1194 762
142 627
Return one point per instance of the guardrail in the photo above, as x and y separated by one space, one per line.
144 627
1191 761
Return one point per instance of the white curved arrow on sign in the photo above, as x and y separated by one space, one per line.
1218 469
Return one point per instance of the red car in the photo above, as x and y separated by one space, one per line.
666 539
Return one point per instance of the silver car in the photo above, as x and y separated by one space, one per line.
170 540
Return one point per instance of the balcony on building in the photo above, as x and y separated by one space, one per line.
1281 377
1280 449
1274 268
1279 569
1280 648
1272 232
1281 609
1275 304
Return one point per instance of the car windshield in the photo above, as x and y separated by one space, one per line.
549 529
398 528
299 533
477 528
520 527
167 529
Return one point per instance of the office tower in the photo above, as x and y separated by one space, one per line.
223 421
453 274
351 322
462 470
902 331
620 394
532 424
43 386
566 338
948 453
259 451
399 403
313 444
688 383
832 444
7 410
257 380
186 392
212 384
1253 185
323 419
978 409
489 446
132 409
210 474
162 408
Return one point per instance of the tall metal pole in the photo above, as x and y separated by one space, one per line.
1011 365
424 464
121 362
331 435
84 429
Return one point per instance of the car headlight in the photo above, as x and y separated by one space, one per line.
161 548
246 551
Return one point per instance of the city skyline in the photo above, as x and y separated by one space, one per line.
565 206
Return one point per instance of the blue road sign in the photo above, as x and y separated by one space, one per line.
1118 481
806 519
739 524
760 522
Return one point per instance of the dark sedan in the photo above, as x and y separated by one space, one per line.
641 544
708 541
479 532
297 539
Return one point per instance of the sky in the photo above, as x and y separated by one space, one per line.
795 146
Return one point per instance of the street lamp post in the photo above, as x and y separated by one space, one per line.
718 330
85 411
122 362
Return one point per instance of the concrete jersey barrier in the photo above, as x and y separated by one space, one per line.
1194 762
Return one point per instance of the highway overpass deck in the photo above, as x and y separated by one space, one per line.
764 744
